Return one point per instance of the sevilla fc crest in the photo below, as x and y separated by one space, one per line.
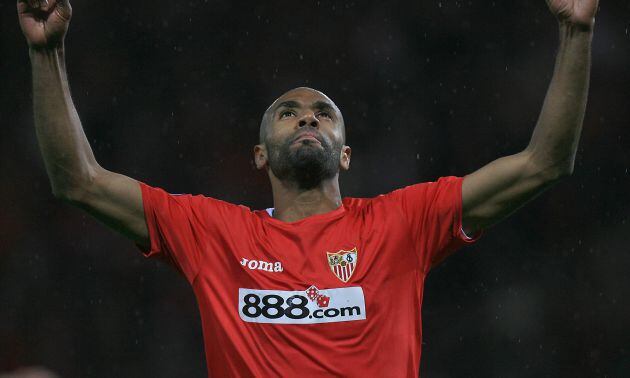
342 263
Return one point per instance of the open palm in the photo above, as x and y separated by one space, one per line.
44 23
576 12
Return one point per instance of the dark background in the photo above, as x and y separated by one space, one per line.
172 93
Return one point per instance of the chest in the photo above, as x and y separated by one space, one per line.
322 273
343 253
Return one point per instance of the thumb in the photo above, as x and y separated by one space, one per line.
61 7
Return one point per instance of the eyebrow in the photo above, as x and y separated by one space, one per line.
287 104
319 105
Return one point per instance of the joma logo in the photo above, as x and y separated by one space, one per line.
262 265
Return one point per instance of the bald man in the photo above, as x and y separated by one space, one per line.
318 285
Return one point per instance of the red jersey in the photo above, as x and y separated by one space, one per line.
334 294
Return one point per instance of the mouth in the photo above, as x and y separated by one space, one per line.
307 137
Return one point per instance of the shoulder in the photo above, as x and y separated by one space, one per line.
426 191
196 204
206 204
423 192
363 204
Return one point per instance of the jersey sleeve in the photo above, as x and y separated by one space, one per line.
183 227
434 213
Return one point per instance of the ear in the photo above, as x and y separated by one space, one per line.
260 156
344 159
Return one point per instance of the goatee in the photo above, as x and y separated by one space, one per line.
307 164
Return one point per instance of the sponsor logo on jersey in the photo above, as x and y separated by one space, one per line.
342 263
262 265
310 306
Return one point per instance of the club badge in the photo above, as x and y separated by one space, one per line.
342 263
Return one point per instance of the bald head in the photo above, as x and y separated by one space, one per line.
293 96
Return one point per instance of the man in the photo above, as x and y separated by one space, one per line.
317 285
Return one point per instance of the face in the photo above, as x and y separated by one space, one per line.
303 139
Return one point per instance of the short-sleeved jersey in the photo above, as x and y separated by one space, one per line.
334 294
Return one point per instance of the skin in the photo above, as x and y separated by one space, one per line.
285 123
504 185
488 194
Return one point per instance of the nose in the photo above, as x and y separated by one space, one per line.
310 120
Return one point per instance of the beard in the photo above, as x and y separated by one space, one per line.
305 165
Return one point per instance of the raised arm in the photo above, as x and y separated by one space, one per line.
504 185
74 174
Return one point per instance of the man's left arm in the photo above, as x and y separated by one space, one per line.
501 187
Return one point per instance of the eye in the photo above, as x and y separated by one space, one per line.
325 114
286 112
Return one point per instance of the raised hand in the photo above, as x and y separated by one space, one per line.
44 22
580 13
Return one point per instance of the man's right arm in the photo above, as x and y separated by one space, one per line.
75 176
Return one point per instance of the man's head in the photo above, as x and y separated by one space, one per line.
302 136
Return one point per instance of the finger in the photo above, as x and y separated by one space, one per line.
26 3
27 6
47 5
30 5
63 8
36 6
23 4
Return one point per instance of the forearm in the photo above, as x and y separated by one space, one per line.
555 139
69 160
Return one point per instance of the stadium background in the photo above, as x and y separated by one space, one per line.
172 93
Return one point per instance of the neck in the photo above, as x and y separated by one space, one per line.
292 204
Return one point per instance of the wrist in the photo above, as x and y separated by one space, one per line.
571 34
569 28
51 57
46 51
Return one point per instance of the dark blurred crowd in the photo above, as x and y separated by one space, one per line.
171 93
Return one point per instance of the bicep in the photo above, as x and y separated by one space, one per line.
498 189
115 200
